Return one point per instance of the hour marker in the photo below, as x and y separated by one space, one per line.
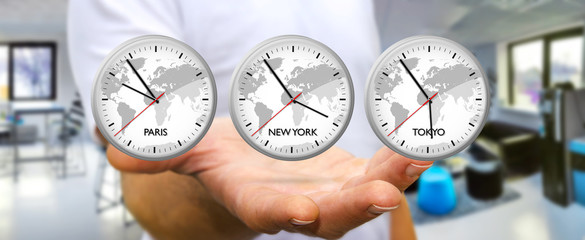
383 125
404 56
129 143
293 48
317 143
112 74
472 74
155 48
318 54
454 55
336 124
104 99
198 124
198 74
266 143
427 149
248 124
478 99
378 99
452 142
110 124
291 149
205 99
472 124
337 73
179 143
342 99
242 99
386 74
402 143
180 55
249 74
130 55
267 55
154 149
429 49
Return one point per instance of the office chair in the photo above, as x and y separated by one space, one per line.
71 133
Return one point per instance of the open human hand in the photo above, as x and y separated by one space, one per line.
324 196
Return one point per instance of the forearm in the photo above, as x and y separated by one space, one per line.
401 226
173 206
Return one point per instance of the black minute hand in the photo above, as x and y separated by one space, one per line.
310 108
277 78
431 118
414 79
139 77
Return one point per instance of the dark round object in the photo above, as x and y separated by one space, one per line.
412 188
484 179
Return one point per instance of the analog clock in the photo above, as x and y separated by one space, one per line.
154 97
291 97
427 98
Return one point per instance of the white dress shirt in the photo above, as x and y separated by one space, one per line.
223 32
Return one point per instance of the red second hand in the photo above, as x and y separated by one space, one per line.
139 113
413 113
292 100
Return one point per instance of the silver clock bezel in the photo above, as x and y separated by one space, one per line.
382 60
240 70
106 64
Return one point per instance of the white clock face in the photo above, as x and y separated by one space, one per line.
291 98
427 98
154 98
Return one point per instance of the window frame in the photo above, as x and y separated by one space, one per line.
41 44
547 39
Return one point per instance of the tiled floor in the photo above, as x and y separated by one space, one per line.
41 205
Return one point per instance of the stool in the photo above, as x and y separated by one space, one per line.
436 191
484 179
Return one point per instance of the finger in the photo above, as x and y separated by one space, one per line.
123 162
265 210
349 208
389 166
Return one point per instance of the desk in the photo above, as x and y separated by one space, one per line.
45 110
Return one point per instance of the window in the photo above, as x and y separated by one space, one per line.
566 58
3 72
32 71
543 62
527 75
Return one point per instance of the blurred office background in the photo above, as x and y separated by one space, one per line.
524 178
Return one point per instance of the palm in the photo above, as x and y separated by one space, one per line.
266 193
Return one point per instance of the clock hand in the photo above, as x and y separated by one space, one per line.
277 113
414 79
139 114
288 93
428 100
431 117
310 108
277 78
139 77
141 93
